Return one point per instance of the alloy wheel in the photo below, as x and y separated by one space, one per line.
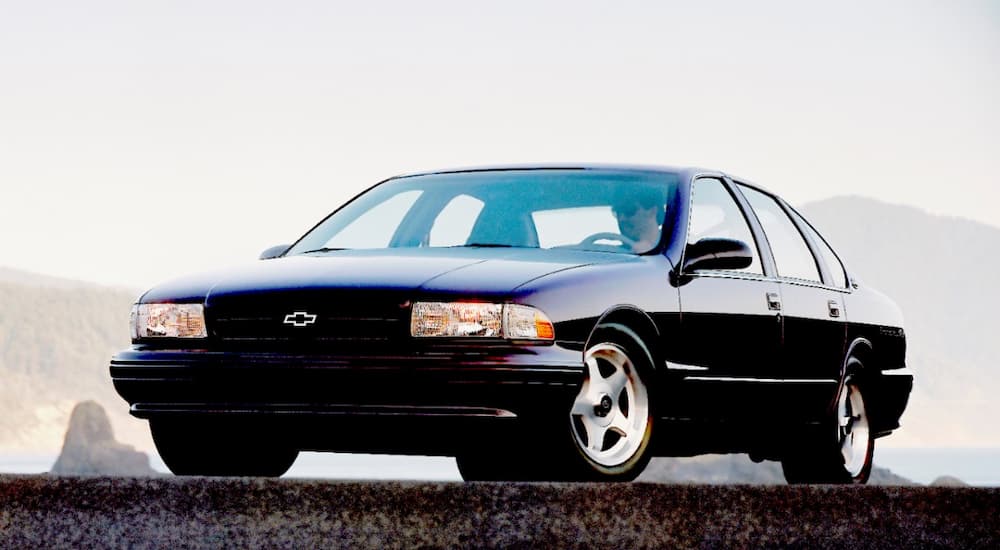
610 415
854 434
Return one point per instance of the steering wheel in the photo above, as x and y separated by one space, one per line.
608 236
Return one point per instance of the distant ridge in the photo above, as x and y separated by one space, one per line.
30 278
736 468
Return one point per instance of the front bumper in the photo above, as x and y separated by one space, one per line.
330 394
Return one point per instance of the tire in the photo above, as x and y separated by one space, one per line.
524 454
219 448
611 419
485 466
477 467
843 450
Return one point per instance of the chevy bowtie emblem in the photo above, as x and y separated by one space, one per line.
300 319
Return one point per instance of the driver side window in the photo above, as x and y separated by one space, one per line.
715 214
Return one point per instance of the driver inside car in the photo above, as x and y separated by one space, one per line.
640 213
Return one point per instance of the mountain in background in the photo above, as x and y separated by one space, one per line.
943 272
56 336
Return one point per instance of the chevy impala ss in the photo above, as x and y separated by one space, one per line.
556 322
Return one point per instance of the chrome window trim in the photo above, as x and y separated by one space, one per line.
721 274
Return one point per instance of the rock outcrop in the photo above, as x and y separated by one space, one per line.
90 447
948 481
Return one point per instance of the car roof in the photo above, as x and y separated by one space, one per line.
686 172
561 166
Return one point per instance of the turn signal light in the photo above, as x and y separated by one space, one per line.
543 327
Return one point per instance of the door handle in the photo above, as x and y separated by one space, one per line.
773 301
834 307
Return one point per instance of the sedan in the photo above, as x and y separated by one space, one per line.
537 323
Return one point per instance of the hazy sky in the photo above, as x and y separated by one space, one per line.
142 140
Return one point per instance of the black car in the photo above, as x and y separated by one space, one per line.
537 322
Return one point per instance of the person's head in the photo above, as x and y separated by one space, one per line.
639 211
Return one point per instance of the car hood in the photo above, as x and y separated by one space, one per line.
464 271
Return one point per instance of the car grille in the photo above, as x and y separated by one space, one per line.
327 322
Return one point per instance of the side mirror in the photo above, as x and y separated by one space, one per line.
274 251
717 254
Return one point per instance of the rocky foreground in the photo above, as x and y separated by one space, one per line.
169 512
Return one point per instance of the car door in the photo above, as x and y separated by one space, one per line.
815 331
730 325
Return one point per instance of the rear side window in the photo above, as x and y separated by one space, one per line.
715 214
791 253
833 264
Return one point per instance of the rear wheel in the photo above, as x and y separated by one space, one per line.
220 448
842 453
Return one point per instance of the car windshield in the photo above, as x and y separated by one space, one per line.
606 210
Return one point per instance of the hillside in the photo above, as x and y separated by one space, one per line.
56 337
942 272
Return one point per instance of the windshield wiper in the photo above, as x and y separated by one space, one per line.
324 249
483 245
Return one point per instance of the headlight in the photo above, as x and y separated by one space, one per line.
168 321
469 319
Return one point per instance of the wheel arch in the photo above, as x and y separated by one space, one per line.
860 349
636 320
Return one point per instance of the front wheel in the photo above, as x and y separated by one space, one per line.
843 458
611 420
220 448
604 437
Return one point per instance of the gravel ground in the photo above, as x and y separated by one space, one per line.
170 512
